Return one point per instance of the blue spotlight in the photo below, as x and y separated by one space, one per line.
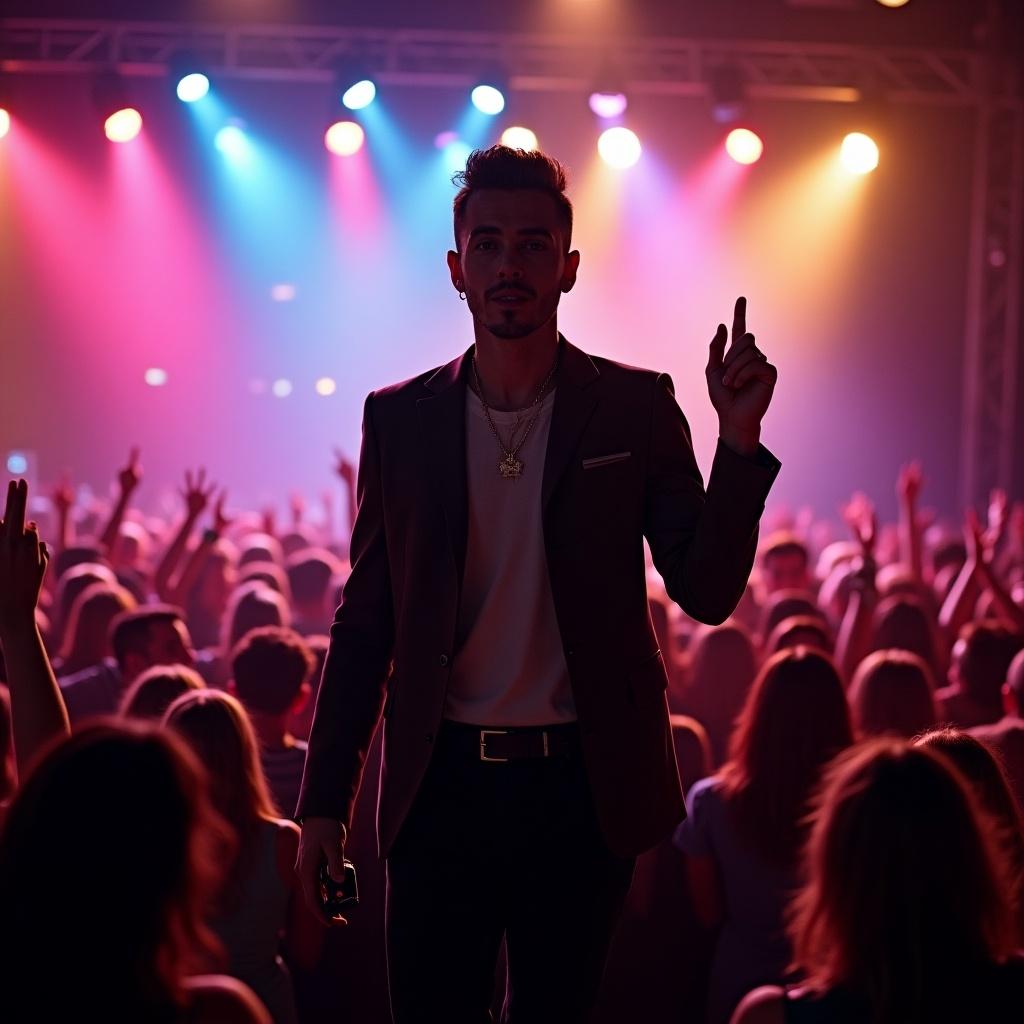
359 95
192 87
488 99
232 141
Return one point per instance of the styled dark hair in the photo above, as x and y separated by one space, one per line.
906 883
502 167
795 720
110 857
269 666
129 631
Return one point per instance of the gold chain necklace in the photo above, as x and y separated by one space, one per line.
511 467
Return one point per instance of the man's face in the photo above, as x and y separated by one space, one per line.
512 261
170 644
785 572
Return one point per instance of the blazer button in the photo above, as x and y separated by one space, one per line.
443 660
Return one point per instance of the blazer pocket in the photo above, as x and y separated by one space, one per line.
605 460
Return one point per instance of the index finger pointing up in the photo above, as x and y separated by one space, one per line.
14 516
739 320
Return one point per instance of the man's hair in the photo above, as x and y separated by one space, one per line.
782 543
269 666
502 167
129 631
310 573
989 648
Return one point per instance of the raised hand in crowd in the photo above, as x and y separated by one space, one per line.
63 498
297 507
854 635
37 711
346 470
197 560
981 544
128 480
909 485
196 495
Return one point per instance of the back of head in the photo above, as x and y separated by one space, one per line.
501 167
982 656
784 562
309 573
269 574
723 664
109 857
907 888
77 579
251 606
269 667
217 728
986 776
86 638
892 692
130 630
259 547
902 621
783 604
795 720
77 554
808 630
156 689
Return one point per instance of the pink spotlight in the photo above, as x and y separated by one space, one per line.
608 104
123 125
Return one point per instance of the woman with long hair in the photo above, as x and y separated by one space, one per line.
893 692
745 825
906 917
108 860
260 910
87 636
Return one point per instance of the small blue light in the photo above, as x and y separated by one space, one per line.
17 463
455 155
359 95
193 87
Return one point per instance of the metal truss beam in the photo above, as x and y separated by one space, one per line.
676 66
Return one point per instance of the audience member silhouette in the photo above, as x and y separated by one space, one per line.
892 692
980 662
1006 736
260 906
156 689
746 824
906 917
86 636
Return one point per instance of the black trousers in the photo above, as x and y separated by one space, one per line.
500 849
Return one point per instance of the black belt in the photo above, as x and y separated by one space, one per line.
514 743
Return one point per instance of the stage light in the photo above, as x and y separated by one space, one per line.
123 125
894 3
192 87
619 147
231 140
727 89
519 138
859 153
326 386
344 138
155 377
444 139
17 463
607 105
488 99
282 292
744 146
5 122
281 388
360 94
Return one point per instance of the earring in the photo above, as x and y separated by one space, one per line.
462 294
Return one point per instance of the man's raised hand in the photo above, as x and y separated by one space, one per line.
23 559
740 382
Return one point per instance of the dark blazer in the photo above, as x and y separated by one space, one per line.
393 634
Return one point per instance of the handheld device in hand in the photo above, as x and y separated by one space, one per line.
337 897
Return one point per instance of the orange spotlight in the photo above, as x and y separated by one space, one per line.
859 153
744 146
123 125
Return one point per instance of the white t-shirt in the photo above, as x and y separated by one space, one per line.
509 668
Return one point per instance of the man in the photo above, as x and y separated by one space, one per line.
497 613
147 636
784 563
1007 735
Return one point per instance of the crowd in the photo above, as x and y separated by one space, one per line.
851 742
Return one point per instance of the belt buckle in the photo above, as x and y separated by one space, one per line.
484 733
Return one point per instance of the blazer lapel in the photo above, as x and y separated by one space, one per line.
575 401
443 423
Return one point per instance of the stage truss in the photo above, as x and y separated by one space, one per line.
985 82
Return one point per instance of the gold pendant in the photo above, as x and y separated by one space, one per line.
510 467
